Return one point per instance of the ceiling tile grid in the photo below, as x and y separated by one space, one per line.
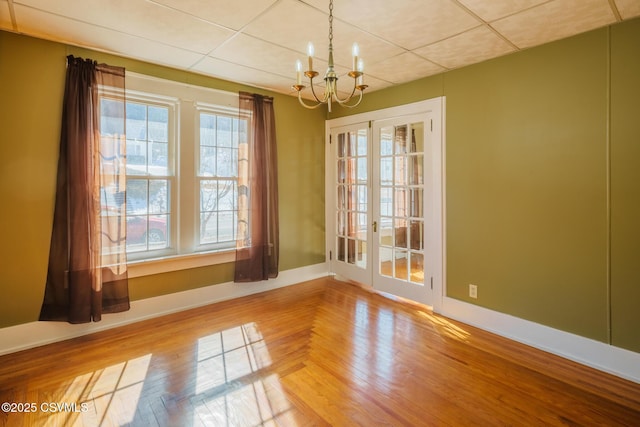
257 42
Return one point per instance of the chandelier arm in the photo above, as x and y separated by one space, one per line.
348 98
313 91
305 105
344 102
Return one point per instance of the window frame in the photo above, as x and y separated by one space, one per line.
184 251
172 105
215 110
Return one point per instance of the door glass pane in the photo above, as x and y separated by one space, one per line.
362 225
400 146
341 226
400 171
341 145
362 198
386 170
386 262
362 254
415 175
416 274
342 198
351 144
400 202
416 202
400 232
362 143
400 261
386 141
416 235
362 169
342 173
351 251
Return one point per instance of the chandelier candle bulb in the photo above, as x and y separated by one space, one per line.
298 72
356 51
310 52
361 70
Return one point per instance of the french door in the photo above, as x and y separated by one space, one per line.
351 211
399 207
384 223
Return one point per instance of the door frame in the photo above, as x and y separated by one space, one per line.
435 106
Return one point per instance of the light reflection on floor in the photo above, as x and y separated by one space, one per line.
380 370
231 387
230 391
445 327
106 396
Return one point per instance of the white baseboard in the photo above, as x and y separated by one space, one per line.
34 334
604 357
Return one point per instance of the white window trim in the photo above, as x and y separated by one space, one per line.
189 97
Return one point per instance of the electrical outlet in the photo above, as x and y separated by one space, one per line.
473 291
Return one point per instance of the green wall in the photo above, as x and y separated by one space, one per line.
32 73
625 185
526 184
543 181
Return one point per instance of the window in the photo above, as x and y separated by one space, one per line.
220 138
149 178
182 145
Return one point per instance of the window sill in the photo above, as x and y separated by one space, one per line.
167 264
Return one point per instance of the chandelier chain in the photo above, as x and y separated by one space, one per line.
330 22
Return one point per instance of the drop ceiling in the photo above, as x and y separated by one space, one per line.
257 42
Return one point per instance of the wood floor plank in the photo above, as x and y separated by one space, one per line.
319 353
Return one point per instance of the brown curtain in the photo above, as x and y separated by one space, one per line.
87 273
257 248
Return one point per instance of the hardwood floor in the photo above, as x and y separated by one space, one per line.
315 354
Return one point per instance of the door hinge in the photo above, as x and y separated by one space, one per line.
432 283
431 125
330 139
330 255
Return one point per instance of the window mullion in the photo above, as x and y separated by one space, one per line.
187 183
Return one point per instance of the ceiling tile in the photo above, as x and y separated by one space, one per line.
5 16
554 20
628 8
57 28
406 23
278 27
471 46
227 13
403 68
495 9
140 18
258 54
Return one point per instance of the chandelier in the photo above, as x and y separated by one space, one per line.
330 76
